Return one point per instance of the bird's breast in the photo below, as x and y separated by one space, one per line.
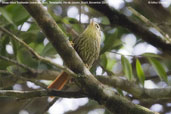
88 49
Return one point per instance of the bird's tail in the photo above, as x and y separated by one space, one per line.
60 81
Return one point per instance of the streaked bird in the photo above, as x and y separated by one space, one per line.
87 46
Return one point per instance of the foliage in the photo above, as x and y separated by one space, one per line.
111 59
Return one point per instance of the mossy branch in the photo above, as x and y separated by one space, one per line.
40 93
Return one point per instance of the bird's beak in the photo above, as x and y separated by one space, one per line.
91 23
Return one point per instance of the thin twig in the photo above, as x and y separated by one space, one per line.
134 56
25 79
4 72
148 22
110 73
20 41
37 56
49 105
18 64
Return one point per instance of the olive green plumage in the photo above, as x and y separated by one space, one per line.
87 44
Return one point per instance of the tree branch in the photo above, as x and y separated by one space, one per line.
95 90
137 91
40 93
162 19
116 82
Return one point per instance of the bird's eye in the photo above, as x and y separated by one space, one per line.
97 26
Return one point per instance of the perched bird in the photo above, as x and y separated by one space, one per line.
87 46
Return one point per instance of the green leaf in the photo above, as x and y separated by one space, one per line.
69 20
6 15
38 47
29 36
4 64
18 14
103 60
105 20
109 41
151 55
110 63
140 72
4 40
25 57
14 46
21 16
127 68
120 92
48 50
10 68
159 69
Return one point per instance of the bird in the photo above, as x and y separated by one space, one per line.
87 45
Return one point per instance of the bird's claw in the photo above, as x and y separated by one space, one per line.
72 44
80 76
87 65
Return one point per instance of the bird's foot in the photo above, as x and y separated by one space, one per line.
87 65
72 44
80 76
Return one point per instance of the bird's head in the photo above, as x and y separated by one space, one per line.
93 29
